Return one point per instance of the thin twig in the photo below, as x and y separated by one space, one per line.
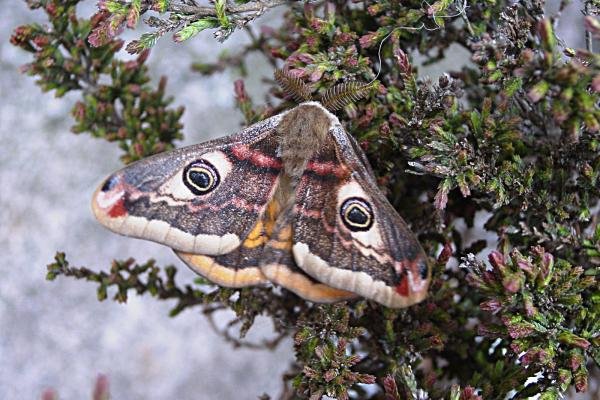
268 344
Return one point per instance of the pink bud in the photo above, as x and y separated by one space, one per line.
492 306
496 259
368 40
240 90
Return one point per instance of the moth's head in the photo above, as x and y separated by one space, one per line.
150 198
309 121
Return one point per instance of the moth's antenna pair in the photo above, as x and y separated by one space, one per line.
333 99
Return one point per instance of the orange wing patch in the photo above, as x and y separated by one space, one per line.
222 275
263 229
256 237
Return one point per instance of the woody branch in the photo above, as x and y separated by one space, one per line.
257 7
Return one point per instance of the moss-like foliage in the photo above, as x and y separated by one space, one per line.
512 137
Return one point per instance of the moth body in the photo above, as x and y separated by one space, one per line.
291 200
302 131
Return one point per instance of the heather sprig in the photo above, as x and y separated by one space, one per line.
184 19
545 311
117 101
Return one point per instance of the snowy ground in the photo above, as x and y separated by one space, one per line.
56 334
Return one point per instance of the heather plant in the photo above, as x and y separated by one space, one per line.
512 137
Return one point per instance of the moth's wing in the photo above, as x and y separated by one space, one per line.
347 235
225 270
278 266
359 154
150 199
240 267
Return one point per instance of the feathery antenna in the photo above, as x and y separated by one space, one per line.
344 93
293 86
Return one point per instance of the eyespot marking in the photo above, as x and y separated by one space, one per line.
423 269
109 183
201 177
356 214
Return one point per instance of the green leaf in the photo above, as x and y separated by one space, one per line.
195 28
161 5
476 121
221 16
116 8
538 91
512 85
146 41
455 392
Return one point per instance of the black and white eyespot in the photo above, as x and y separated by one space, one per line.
357 214
201 177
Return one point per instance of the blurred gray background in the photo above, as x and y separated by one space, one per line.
56 334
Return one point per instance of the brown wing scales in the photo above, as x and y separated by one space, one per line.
278 265
382 261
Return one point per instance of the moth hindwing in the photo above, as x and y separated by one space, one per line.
290 199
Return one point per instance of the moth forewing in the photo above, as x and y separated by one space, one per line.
153 198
